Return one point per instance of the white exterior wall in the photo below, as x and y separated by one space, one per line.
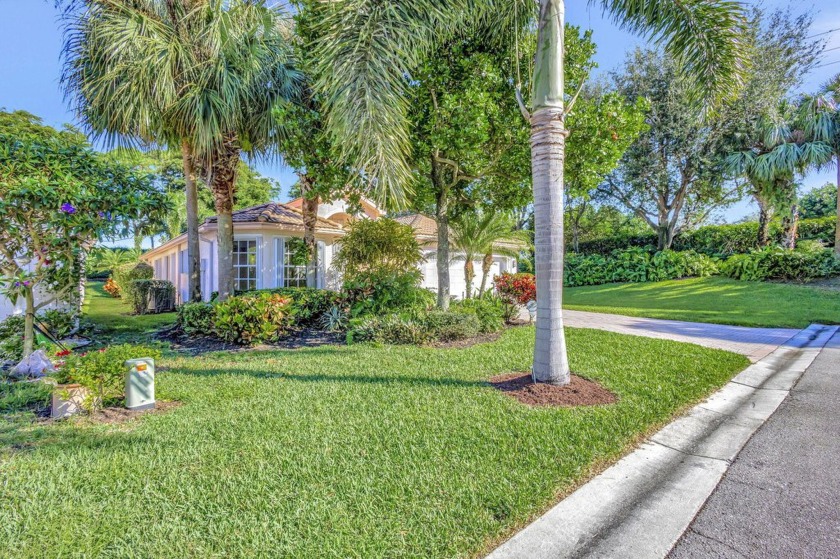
8 309
166 261
457 278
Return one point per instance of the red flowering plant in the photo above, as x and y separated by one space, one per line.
515 290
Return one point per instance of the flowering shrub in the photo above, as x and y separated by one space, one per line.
102 372
112 289
516 288
247 319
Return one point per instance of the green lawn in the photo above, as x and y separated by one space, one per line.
336 451
112 318
715 299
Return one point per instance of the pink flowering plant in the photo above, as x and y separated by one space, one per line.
57 198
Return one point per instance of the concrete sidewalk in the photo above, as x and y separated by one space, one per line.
781 497
755 343
641 506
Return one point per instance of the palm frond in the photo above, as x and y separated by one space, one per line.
705 36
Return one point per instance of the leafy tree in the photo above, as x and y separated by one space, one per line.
367 46
767 152
819 202
57 196
200 74
672 176
478 235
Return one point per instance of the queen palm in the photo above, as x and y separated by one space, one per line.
202 74
367 49
480 236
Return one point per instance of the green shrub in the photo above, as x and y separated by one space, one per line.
379 292
715 240
197 318
489 310
149 295
636 265
390 329
124 275
24 396
59 323
308 304
247 319
102 372
334 320
806 262
446 326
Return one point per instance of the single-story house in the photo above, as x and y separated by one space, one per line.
269 251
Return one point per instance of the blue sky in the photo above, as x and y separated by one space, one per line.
30 45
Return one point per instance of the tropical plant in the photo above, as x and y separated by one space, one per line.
57 198
819 117
480 236
251 318
203 75
367 46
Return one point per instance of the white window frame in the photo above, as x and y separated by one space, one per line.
280 263
257 240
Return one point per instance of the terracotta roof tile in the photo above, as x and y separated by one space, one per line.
281 214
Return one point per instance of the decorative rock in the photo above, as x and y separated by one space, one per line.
36 365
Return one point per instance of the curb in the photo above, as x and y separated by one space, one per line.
640 506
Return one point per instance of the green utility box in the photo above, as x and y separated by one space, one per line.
140 384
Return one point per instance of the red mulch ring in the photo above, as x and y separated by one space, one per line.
579 392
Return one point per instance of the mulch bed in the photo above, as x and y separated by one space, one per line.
579 392
196 345
117 415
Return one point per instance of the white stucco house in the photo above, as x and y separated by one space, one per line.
268 245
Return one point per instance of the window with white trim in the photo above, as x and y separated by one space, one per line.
245 264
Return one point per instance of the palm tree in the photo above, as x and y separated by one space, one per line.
202 74
366 49
481 236
771 157
820 119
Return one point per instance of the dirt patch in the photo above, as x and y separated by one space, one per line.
117 415
579 392
196 345
468 342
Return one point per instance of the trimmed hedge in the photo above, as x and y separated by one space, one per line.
808 261
636 265
716 240
415 328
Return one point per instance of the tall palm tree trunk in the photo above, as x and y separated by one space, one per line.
223 184
548 140
193 242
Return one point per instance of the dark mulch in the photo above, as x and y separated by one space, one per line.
117 415
579 392
196 345
468 342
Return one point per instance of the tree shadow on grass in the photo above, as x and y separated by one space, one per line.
25 433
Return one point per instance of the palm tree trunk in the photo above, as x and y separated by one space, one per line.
469 276
548 139
763 222
309 209
837 223
223 185
193 242
486 265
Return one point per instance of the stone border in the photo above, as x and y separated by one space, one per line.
640 506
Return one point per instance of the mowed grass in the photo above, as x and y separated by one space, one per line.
113 319
352 451
715 299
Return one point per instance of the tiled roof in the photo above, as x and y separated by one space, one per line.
369 209
281 214
426 228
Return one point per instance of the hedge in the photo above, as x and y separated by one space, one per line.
716 240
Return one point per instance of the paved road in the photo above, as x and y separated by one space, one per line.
781 497
755 343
